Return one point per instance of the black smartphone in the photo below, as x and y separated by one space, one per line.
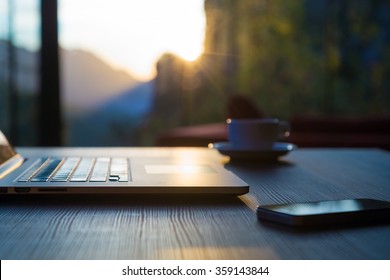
326 213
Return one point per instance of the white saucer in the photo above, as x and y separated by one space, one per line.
278 149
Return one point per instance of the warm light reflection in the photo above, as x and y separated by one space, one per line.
188 157
179 169
223 252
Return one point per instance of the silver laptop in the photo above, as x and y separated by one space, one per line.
115 171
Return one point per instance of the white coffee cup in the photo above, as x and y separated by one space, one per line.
256 134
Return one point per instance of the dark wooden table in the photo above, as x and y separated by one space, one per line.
207 228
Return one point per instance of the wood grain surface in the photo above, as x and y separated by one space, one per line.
161 227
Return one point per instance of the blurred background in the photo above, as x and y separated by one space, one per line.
122 73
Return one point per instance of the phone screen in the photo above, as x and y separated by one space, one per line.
331 211
328 207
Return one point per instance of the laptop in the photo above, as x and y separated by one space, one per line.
144 170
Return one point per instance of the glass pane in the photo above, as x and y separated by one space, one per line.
19 76
134 69
4 69
109 51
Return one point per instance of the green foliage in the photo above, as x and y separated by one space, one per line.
291 57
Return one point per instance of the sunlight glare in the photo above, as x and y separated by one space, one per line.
132 35
189 53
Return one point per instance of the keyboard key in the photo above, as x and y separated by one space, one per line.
100 170
63 173
113 178
83 170
119 170
45 172
29 173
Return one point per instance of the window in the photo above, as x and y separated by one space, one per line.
109 51
130 70
19 71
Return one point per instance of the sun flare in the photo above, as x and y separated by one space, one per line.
189 53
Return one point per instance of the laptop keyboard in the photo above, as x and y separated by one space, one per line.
74 169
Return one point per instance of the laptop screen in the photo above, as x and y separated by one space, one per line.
6 151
